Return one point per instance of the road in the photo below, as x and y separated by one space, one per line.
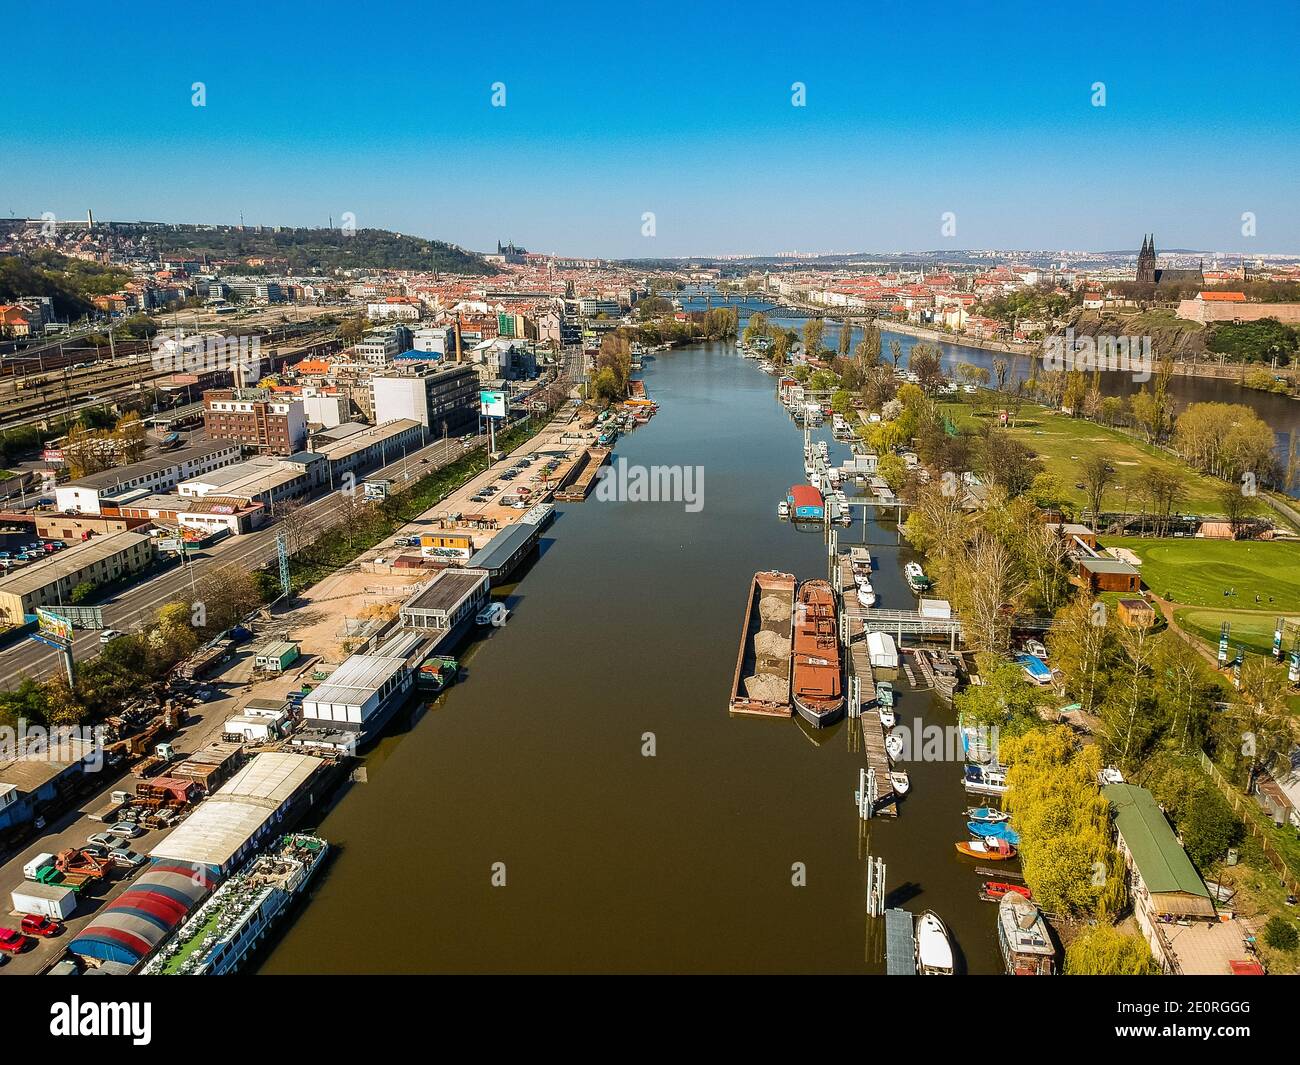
132 608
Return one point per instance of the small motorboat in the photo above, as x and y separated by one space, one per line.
993 890
894 746
866 595
783 509
933 947
885 693
987 814
992 850
887 716
898 779
993 830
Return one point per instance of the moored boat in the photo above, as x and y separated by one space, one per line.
983 780
816 676
993 890
1022 934
884 694
761 684
866 594
992 850
993 830
887 717
894 746
900 781
988 814
916 578
783 509
436 673
933 947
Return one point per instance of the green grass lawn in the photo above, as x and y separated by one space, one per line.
1198 572
1064 443
1254 632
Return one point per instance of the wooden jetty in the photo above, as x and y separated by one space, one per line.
761 685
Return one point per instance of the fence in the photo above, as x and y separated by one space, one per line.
1244 809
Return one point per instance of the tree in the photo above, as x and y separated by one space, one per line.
129 437
813 329
868 349
1097 475
1000 373
1003 700
1128 717
82 592
1164 490
353 329
1005 461
223 597
1082 646
986 590
1103 950
924 361
1236 508
1280 934
757 326
895 352
845 340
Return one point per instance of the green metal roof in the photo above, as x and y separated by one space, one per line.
1159 857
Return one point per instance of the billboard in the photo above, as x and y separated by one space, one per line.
492 404
54 625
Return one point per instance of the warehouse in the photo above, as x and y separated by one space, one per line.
223 830
50 581
501 555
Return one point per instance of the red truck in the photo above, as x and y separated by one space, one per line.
37 924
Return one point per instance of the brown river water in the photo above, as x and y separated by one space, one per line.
628 624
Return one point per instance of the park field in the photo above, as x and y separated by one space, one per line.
1063 444
1222 574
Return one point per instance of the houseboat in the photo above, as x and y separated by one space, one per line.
816 678
1022 934
761 685
806 503
933 947
916 578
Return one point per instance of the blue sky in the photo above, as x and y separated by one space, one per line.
615 110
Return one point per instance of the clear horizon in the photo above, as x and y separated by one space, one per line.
990 123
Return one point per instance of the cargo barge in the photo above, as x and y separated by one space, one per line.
761 685
227 928
817 676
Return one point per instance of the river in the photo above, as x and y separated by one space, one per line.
1281 413
614 861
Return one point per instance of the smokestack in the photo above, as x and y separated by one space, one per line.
458 355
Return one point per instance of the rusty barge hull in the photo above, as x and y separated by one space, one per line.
761 684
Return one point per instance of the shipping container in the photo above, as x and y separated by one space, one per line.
48 900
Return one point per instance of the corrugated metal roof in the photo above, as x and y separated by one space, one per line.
216 831
1159 857
153 907
66 563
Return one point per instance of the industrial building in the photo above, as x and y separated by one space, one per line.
87 495
501 555
266 479
30 781
251 805
51 580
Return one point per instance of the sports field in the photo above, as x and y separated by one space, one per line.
1224 574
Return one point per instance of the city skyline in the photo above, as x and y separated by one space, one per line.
993 141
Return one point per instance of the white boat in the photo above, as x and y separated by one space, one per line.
933 947
900 782
866 595
783 509
886 716
915 577
494 614
893 746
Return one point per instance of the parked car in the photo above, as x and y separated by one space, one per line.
109 635
37 924
126 830
12 942
126 856
106 840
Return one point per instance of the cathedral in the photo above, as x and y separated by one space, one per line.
1148 273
